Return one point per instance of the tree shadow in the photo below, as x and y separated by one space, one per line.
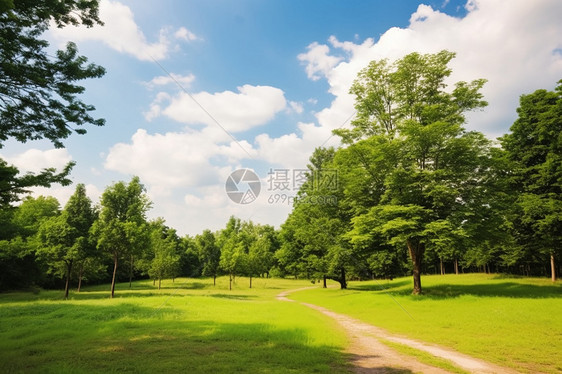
380 285
503 289
132 338
232 296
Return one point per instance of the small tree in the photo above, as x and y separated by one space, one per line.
65 238
209 254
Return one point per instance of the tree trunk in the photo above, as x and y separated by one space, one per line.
552 267
67 286
114 273
131 271
80 275
324 283
230 281
416 249
456 266
441 266
154 281
250 281
214 280
343 282
159 282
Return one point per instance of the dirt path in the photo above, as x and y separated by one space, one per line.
369 355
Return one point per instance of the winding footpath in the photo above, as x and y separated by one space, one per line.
371 356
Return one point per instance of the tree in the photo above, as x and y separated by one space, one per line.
209 254
164 243
65 238
38 93
534 146
424 164
233 254
121 226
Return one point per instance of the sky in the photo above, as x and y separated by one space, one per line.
197 89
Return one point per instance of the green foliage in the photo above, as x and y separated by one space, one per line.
38 93
164 245
64 239
209 253
534 146
121 228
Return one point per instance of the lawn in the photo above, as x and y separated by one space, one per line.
188 326
514 322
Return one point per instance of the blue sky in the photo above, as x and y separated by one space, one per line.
275 75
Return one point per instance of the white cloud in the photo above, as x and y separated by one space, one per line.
121 33
296 107
34 160
163 80
318 61
176 160
235 111
184 34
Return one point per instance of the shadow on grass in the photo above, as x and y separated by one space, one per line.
442 291
380 285
131 338
503 289
232 296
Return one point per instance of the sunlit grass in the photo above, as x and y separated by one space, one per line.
513 322
188 326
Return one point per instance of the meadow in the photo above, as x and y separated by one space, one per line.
192 326
187 326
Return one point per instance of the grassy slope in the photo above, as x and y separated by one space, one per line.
510 321
189 326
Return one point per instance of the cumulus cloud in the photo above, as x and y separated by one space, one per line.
235 111
176 159
121 33
34 160
318 61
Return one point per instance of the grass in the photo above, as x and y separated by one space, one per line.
513 322
188 326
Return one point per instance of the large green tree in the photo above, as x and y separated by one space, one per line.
534 145
122 226
418 162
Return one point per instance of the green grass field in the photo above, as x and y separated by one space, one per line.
188 326
193 326
513 322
